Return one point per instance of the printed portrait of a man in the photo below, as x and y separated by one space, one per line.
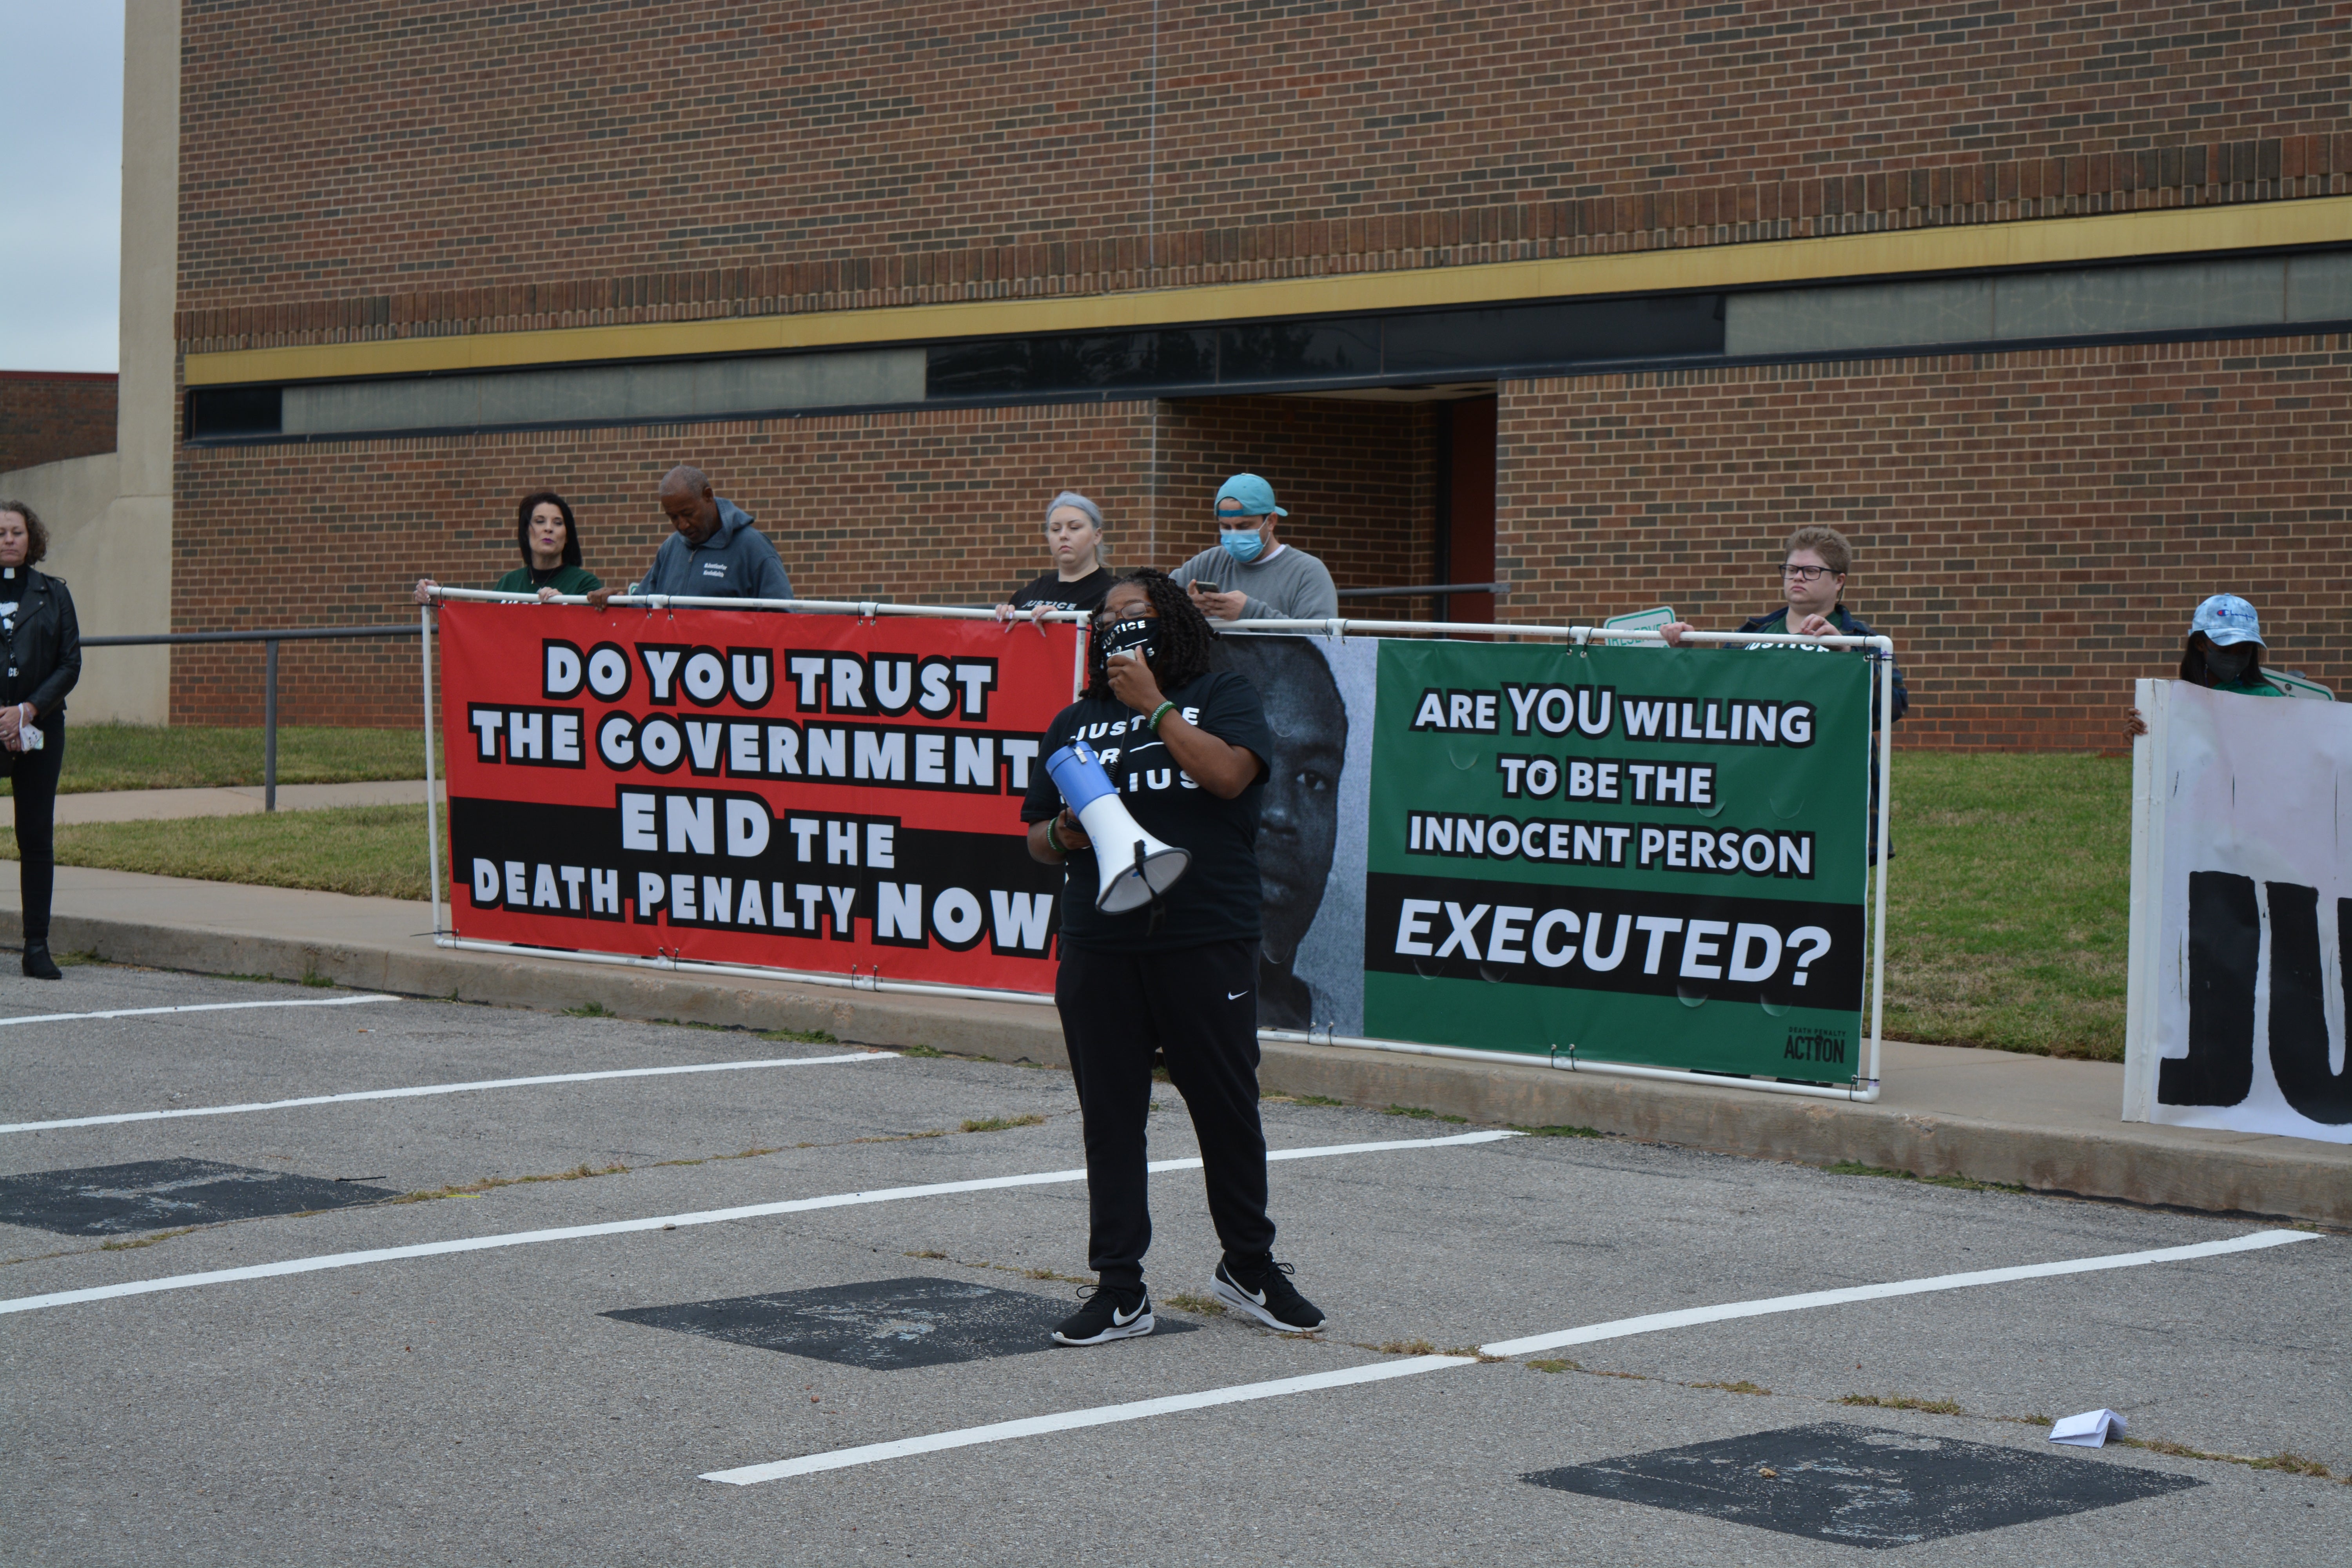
1299 820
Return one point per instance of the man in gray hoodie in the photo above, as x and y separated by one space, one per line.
712 553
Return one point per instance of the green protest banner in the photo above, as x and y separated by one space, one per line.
1647 856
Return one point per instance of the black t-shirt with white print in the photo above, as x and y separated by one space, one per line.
1079 593
1217 898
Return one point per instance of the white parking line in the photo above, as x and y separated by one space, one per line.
1101 1415
411 1093
665 1222
1659 1321
196 1007
1143 1409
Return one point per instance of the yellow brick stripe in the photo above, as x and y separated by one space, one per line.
2040 242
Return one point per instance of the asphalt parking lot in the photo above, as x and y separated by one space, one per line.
822 1280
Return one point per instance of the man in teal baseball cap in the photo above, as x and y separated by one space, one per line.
1249 575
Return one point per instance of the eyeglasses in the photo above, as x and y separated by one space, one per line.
1804 573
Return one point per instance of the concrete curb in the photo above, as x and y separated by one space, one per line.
2132 1163
1823 1132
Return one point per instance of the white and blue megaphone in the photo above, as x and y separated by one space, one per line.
1136 866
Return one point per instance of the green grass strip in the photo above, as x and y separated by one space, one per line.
196 756
2007 903
372 851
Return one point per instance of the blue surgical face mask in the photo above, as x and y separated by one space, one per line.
1242 543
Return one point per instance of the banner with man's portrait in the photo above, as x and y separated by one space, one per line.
1637 856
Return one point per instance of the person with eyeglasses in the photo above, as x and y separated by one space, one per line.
1188 745
1814 568
1251 575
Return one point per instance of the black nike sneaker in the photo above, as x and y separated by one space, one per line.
1265 1294
1109 1313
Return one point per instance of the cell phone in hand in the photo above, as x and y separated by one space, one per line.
1199 586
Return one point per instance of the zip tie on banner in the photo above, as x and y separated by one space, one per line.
1569 1063
1338 629
866 610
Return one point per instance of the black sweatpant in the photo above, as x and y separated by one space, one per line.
33 780
1197 1007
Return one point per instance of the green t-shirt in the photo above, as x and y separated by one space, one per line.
2257 687
564 580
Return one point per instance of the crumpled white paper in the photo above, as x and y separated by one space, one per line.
2091 1429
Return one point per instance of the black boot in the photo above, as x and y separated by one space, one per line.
39 965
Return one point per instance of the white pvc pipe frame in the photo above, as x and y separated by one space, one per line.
1864 1090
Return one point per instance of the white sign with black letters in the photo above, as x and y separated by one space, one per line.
2241 911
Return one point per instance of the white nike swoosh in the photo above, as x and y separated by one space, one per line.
1119 1322
1235 996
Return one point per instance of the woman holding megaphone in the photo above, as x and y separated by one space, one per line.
1153 965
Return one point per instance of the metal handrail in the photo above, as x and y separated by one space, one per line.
1337 626
288 634
871 609
1426 590
270 641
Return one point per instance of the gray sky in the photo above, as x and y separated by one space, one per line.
60 184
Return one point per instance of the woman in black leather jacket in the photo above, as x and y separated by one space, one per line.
42 643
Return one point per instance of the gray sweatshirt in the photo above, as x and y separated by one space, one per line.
1291 585
735 562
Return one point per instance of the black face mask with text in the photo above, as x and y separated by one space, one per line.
1128 637
2228 665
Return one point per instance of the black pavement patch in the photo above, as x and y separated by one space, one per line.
1862 1486
158 1195
880 1323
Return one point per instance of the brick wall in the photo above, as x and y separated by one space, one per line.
2032 529
47 414
426 168
924 508
943 506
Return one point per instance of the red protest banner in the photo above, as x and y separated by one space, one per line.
805 791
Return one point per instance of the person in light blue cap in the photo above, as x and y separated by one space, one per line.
1249 575
2224 652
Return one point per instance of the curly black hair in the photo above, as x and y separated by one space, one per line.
1183 641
